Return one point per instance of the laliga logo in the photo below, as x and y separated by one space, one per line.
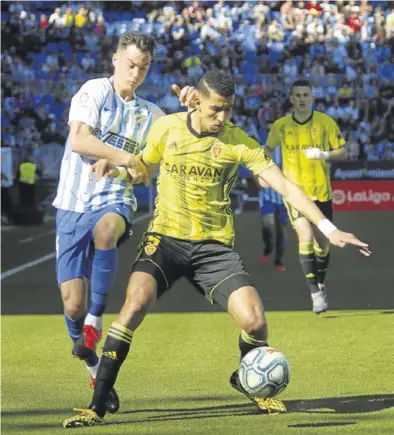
338 197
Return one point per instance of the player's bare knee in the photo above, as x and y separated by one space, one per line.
73 297
253 321
74 309
256 325
107 237
108 231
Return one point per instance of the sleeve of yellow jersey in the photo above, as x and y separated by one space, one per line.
273 139
249 153
155 142
334 135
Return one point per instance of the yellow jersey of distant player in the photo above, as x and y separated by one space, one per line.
319 131
197 173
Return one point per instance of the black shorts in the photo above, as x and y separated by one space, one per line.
324 206
213 268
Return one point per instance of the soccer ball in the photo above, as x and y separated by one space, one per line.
264 372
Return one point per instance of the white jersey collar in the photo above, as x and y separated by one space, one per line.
133 102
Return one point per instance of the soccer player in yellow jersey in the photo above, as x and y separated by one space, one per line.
192 234
309 139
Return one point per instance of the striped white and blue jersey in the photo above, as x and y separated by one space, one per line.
270 195
120 124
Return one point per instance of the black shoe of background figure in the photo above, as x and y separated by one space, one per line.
111 406
113 402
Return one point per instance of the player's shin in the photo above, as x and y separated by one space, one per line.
247 343
322 261
309 266
74 326
116 348
104 267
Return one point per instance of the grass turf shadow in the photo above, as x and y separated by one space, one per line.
322 424
343 405
329 405
336 316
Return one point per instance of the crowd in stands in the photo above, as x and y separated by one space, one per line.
345 48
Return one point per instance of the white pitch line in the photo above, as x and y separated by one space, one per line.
28 265
48 257
38 236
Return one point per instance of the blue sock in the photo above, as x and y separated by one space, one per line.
104 267
75 331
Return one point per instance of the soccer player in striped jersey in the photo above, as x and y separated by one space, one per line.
192 231
107 121
309 140
274 220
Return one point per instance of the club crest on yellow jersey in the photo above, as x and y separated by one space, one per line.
216 150
313 132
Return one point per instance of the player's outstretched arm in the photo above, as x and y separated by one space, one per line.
84 142
296 197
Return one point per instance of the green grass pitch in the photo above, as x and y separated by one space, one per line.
175 380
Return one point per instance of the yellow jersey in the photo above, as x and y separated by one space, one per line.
319 131
197 172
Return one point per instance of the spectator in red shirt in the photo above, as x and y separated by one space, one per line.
43 21
100 26
266 114
354 21
314 8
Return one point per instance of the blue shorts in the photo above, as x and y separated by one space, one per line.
74 239
272 208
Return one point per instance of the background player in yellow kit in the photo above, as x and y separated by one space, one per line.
192 234
309 139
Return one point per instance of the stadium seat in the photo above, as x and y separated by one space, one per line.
79 55
127 16
382 53
386 71
52 47
47 99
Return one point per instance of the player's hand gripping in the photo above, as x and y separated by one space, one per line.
341 239
186 95
135 173
316 154
137 170
103 169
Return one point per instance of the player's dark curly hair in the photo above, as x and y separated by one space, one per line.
301 82
220 82
143 42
